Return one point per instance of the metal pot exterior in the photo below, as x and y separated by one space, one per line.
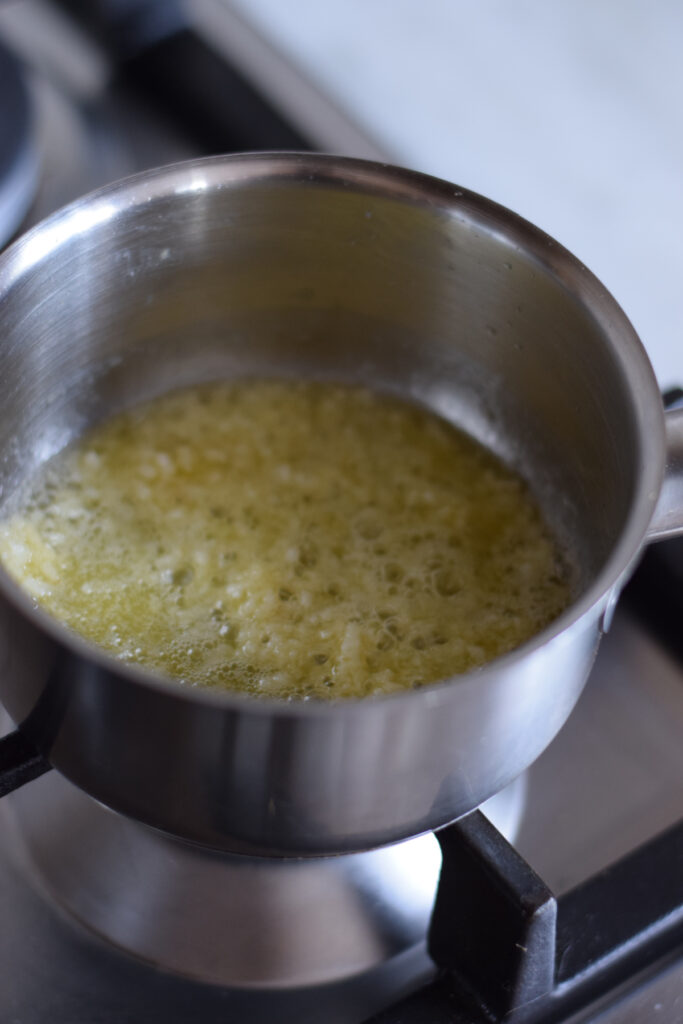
307 265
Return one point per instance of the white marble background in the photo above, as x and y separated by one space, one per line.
568 111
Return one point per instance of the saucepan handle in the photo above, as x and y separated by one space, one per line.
668 518
20 762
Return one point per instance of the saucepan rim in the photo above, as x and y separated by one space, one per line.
413 187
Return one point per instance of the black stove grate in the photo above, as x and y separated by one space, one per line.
20 762
508 950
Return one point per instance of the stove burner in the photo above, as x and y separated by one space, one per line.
355 923
19 162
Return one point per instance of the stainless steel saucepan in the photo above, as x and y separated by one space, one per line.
306 265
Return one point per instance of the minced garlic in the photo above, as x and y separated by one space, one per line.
288 539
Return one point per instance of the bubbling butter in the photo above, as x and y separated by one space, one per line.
288 539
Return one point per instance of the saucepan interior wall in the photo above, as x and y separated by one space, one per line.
280 278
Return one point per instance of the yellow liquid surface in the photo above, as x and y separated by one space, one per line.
288 539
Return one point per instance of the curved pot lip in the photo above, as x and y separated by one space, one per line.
389 182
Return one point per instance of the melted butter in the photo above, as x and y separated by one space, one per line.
288 539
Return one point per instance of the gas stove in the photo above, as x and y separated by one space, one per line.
561 900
